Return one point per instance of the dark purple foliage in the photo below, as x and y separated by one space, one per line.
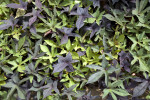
25 25
69 91
48 89
74 9
81 53
8 23
88 97
67 32
32 29
36 79
64 63
35 14
22 5
141 88
83 14
38 4
125 59
96 3
94 28
114 1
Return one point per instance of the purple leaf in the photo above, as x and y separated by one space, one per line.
140 89
94 28
137 79
4 26
8 23
48 89
96 3
127 68
14 5
70 68
79 22
25 25
88 97
46 93
22 5
55 87
114 1
115 62
74 10
60 60
28 14
59 67
64 63
80 11
38 4
33 29
81 53
83 14
69 57
35 13
125 59
64 39
32 20
67 32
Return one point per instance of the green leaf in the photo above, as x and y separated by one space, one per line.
95 67
113 96
7 70
9 85
94 77
134 60
48 11
68 45
104 43
90 20
20 12
39 77
21 42
45 49
42 30
120 92
133 46
133 39
106 92
51 43
106 77
110 17
141 36
88 52
143 4
20 93
121 38
11 92
37 47
104 62
26 60
66 3
143 65
116 83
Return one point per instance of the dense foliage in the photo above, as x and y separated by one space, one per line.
58 49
